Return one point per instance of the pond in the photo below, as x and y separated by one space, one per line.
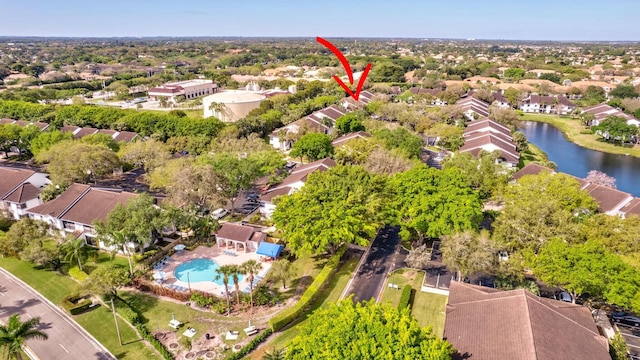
578 161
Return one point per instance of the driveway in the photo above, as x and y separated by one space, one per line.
385 255
67 340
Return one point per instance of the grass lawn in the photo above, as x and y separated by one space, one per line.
330 293
428 309
533 153
55 287
99 322
571 129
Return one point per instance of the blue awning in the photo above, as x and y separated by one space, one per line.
269 249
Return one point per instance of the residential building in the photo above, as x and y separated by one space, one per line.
602 111
321 121
500 101
632 208
78 208
41 125
350 136
190 89
20 190
79 132
486 323
488 135
294 182
473 108
547 104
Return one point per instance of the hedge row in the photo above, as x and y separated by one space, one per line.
144 332
285 317
251 345
135 319
76 305
405 297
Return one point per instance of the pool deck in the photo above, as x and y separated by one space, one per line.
219 256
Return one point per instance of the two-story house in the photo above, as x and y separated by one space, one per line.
20 190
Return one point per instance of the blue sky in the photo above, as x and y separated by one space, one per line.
588 20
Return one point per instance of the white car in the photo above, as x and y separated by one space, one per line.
219 214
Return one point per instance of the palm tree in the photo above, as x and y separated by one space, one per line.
274 354
223 272
235 275
15 333
251 268
77 251
281 271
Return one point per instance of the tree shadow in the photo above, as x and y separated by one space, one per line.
140 303
18 307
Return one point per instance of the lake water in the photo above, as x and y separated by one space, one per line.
578 161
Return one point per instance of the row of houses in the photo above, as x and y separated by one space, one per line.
602 111
488 135
610 201
76 131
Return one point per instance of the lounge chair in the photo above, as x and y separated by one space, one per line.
191 332
232 335
251 330
175 324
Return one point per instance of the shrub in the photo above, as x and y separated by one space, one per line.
76 305
77 274
285 317
128 313
166 354
405 297
618 347
251 345
202 299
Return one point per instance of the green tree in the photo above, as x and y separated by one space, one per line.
553 77
280 353
624 91
615 128
554 205
233 174
106 280
189 183
47 139
521 142
131 224
482 173
22 233
349 123
401 139
15 333
282 270
223 273
76 250
344 205
513 95
468 253
235 277
313 146
594 95
365 330
9 137
388 162
71 161
148 154
101 139
251 269
432 203
450 135
514 73
387 71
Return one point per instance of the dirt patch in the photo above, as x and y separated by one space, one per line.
410 275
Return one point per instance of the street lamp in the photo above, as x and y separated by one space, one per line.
188 281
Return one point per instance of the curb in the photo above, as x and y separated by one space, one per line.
98 345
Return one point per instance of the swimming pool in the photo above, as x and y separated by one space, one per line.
200 270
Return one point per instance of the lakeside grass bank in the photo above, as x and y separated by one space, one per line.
573 131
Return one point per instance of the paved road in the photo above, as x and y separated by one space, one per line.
383 256
67 340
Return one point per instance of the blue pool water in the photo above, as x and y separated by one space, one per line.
199 270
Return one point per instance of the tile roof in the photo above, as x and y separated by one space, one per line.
300 174
235 232
284 190
488 324
486 123
632 208
84 132
608 199
473 104
83 204
530 169
350 136
126 136
22 194
11 179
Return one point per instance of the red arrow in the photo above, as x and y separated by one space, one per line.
347 68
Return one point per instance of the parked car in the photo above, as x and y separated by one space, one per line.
252 195
565 296
624 318
253 200
219 213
